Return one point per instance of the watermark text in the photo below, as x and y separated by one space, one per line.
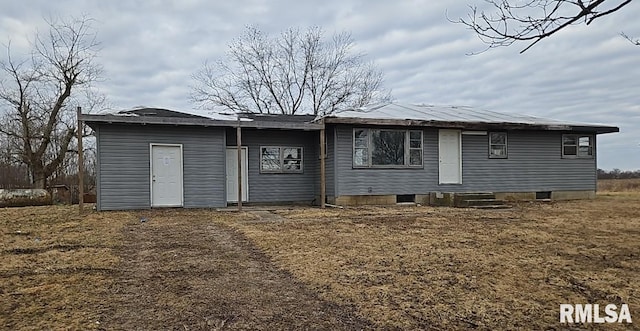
592 313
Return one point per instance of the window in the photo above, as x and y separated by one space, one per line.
275 159
387 148
415 148
497 145
577 146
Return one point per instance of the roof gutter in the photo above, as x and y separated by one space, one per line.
93 119
473 125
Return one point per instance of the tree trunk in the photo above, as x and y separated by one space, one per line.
39 178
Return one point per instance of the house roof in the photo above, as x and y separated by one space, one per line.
203 118
278 117
455 117
391 114
158 112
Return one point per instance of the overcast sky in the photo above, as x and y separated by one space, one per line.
150 49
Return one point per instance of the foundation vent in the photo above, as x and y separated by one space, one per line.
545 195
404 198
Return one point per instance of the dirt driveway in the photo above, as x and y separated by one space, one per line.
188 273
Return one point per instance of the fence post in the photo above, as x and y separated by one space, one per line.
239 147
80 164
323 156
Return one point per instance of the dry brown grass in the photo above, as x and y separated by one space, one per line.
619 185
398 267
55 266
179 270
443 268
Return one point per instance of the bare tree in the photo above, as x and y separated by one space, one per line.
292 73
534 20
38 94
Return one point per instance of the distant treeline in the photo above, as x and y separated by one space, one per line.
618 174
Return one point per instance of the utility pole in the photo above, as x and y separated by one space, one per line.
239 146
323 156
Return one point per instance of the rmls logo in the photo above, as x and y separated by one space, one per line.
590 313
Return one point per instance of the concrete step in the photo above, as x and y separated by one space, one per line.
474 198
459 199
492 207
475 195
480 202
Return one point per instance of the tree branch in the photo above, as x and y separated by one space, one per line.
534 20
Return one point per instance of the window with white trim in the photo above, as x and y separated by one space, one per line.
280 159
387 148
497 145
577 146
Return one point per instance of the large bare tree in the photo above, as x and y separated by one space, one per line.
531 21
292 73
39 93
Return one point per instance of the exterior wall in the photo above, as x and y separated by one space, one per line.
534 163
124 169
377 181
286 187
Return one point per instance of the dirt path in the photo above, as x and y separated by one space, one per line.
193 274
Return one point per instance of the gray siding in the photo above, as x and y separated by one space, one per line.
288 187
534 164
123 153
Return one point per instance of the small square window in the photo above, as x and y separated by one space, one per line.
498 145
415 157
577 146
270 160
280 159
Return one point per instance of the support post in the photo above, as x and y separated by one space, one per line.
80 164
239 146
323 156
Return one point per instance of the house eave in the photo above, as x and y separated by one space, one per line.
94 119
471 125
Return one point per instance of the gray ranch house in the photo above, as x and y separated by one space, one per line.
382 154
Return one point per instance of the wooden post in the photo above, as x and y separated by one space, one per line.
80 164
239 144
323 156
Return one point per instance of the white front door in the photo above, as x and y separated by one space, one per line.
166 175
232 175
449 149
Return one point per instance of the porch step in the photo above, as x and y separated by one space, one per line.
460 198
492 207
479 200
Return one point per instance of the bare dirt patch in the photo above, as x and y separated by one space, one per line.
179 269
185 270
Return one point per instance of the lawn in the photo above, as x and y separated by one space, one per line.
420 267
405 267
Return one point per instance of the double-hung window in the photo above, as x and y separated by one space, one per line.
577 146
279 159
497 145
387 148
